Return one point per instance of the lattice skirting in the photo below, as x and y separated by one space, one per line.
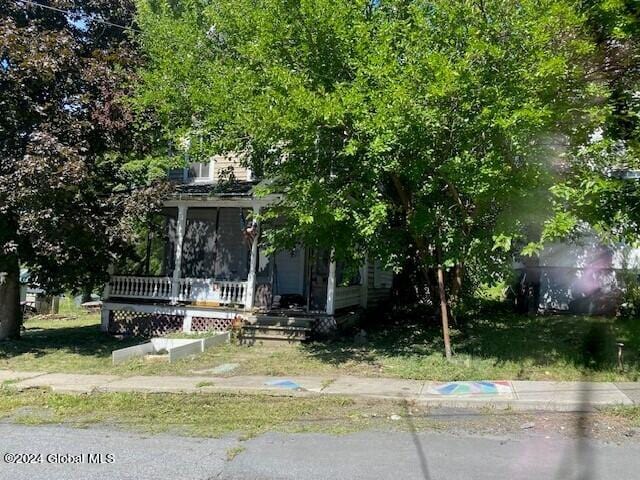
324 325
203 324
143 324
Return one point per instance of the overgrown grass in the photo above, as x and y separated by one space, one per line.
630 413
204 415
69 308
71 343
498 346
492 346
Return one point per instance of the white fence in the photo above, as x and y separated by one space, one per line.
186 289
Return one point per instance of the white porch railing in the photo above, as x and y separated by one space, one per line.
140 287
188 289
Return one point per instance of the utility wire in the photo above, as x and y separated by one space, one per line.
69 12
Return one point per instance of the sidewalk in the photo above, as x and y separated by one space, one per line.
517 395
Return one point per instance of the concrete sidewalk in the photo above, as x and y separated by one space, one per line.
517 395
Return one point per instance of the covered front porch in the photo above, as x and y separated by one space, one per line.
209 260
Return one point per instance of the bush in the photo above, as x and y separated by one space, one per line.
630 305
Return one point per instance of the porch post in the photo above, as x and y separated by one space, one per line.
251 278
364 283
107 286
331 285
104 319
177 267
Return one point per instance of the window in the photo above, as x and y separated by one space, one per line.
200 171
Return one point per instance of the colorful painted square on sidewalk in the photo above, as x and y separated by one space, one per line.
471 388
286 384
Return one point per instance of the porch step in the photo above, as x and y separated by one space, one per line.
282 321
275 340
272 333
278 330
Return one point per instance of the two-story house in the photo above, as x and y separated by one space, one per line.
214 271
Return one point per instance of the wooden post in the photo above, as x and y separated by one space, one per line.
251 278
331 286
55 305
177 268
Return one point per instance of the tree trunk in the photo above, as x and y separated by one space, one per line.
421 245
10 314
458 276
147 257
444 313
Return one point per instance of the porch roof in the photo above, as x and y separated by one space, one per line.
242 189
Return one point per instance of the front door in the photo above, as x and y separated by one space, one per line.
317 280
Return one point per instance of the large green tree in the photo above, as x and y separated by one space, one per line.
394 127
597 188
65 200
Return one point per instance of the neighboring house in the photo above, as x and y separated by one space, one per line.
580 276
214 270
34 299
29 292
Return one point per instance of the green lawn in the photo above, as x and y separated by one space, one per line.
201 415
493 346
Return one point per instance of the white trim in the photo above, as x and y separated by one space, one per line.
177 267
200 178
251 278
331 286
104 320
180 310
206 201
186 323
107 287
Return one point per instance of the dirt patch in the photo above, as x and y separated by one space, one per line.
594 425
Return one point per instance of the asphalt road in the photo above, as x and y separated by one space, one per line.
366 455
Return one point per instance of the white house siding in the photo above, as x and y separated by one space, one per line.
570 271
347 296
223 165
379 284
